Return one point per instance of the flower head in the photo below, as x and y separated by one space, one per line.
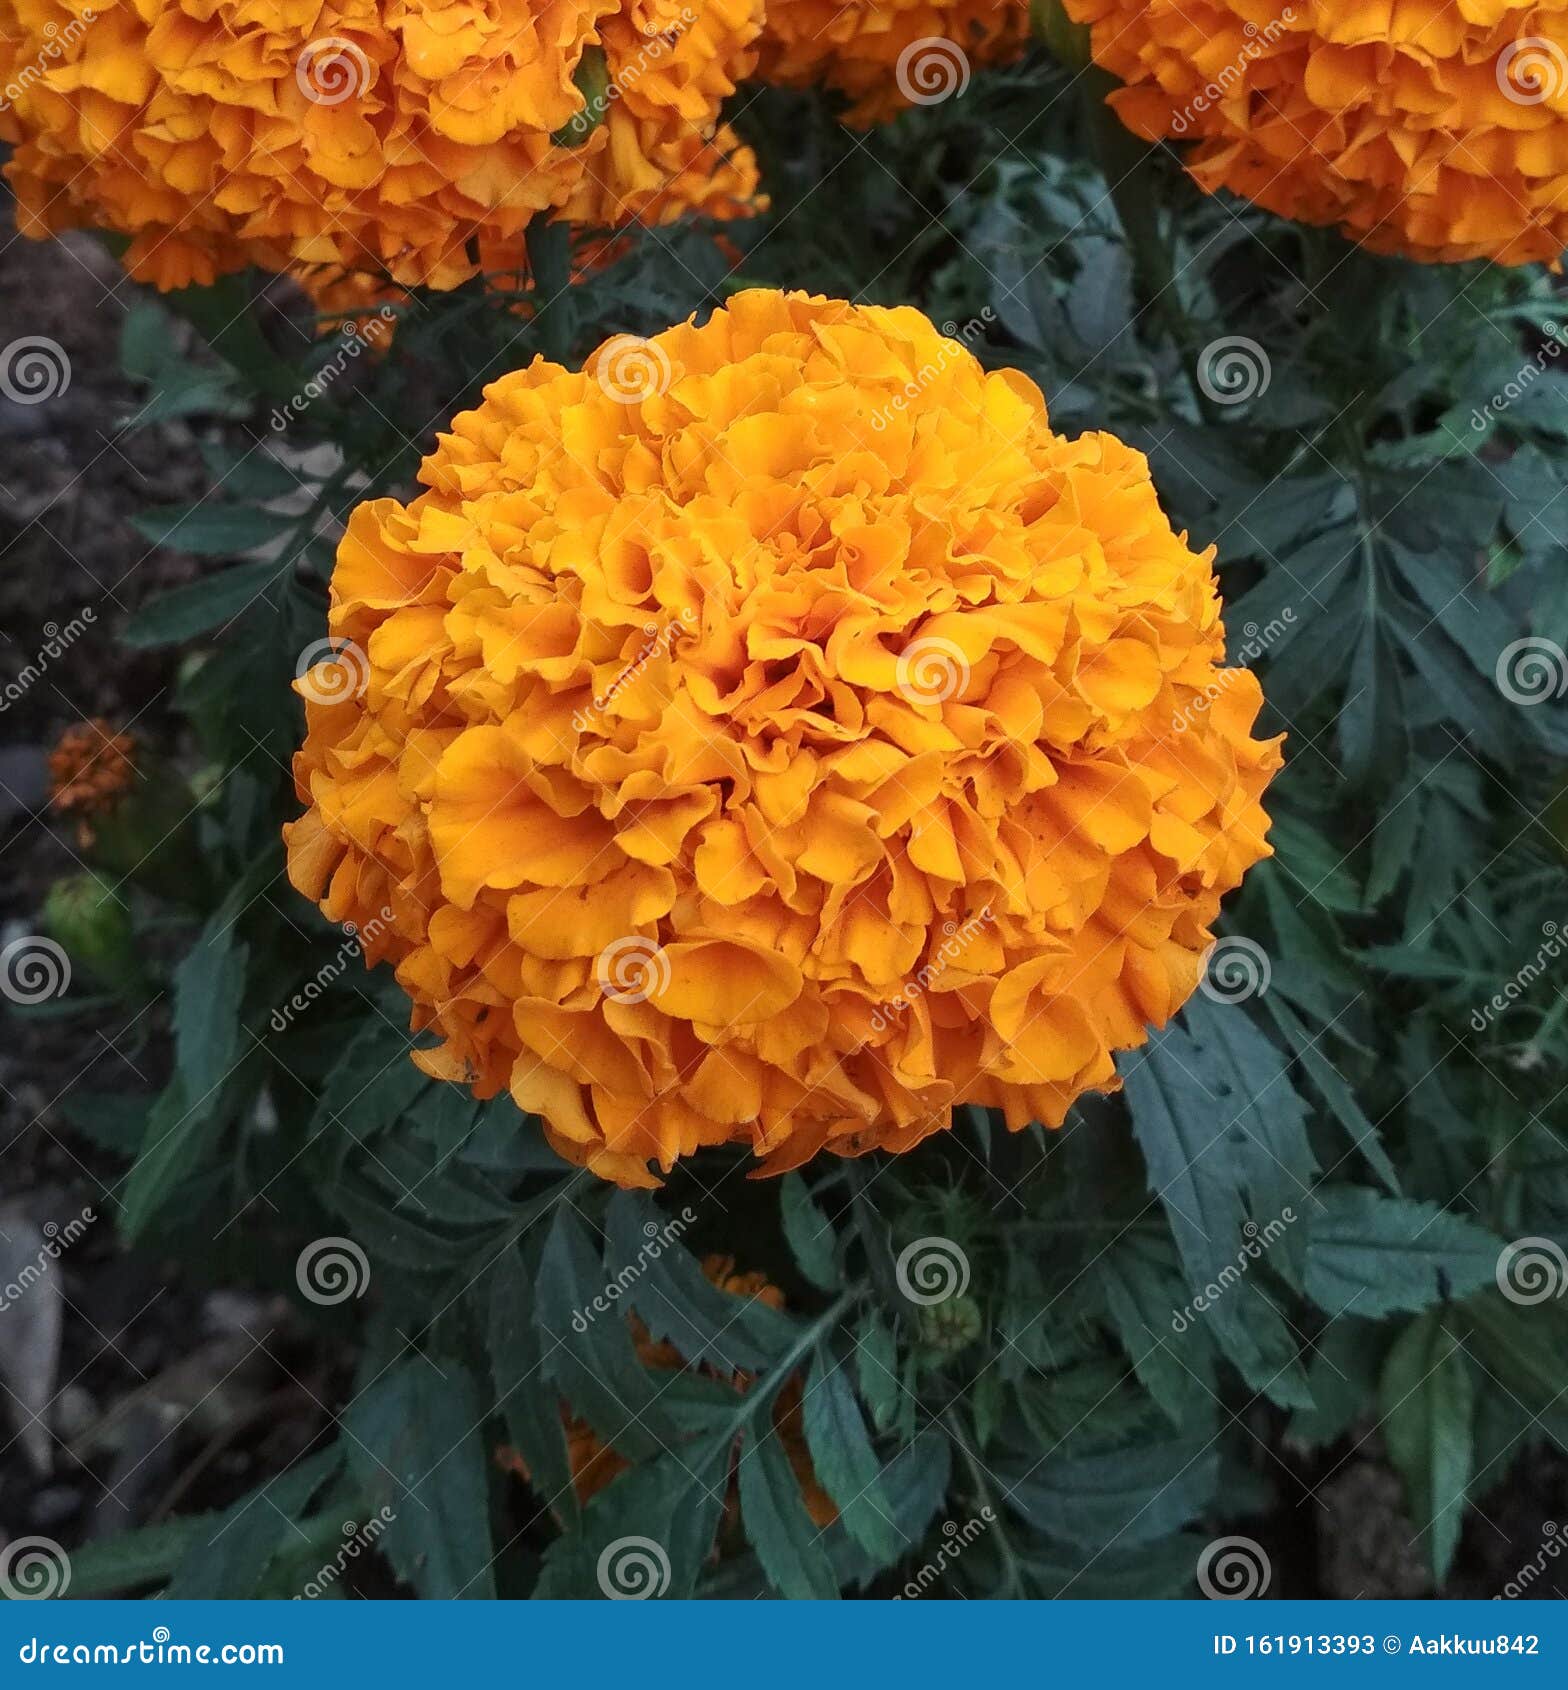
886 55
1436 131
412 139
91 770
775 733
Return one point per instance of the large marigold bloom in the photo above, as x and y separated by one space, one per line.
885 55
1433 128
413 139
775 733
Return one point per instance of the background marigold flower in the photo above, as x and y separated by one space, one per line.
1435 131
593 1463
776 733
886 55
411 139
91 769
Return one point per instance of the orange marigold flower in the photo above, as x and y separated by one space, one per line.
1439 131
404 138
91 768
775 733
594 1464
886 55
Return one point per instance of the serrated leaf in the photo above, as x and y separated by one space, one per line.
1122 1497
809 1233
1372 1255
231 1559
787 1541
1428 1404
846 1466
588 1349
414 1445
201 606
210 529
525 1394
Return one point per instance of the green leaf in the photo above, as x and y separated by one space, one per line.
654 1275
588 1349
846 1465
1428 1405
232 1558
786 1540
209 986
525 1393
876 1369
209 529
1121 1497
809 1233
117 1566
414 1445
1371 1255
204 604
